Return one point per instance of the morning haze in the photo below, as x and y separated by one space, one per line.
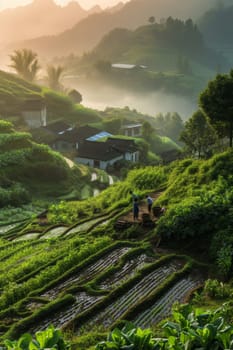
116 186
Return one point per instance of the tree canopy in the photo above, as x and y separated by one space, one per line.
54 75
25 63
198 135
217 102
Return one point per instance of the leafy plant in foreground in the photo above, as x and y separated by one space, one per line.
197 330
129 338
51 338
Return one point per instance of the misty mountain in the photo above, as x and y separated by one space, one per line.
158 46
217 27
41 17
88 32
170 56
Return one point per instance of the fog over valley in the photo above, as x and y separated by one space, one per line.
100 96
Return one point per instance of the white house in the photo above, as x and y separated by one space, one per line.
132 130
104 154
97 155
34 113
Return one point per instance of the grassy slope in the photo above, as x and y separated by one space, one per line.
199 179
197 195
28 169
14 91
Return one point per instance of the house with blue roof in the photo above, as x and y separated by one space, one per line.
104 154
71 138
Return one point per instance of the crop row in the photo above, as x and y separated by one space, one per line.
162 307
140 289
88 273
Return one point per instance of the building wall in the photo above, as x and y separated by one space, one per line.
133 132
35 119
44 116
132 157
85 161
97 164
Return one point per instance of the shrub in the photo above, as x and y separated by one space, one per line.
217 289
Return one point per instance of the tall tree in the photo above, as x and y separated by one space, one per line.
217 102
198 135
54 75
25 63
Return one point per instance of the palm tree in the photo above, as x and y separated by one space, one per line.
25 63
54 75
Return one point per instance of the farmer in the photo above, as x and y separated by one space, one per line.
149 201
133 195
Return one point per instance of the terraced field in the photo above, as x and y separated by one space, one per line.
59 276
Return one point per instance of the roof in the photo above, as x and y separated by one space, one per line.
122 145
97 151
127 66
84 132
98 136
73 134
131 126
57 127
33 104
69 135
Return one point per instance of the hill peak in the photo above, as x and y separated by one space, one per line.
44 3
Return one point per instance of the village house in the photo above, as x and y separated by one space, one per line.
64 137
97 155
127 67
34 113
104 154
126 147
132 130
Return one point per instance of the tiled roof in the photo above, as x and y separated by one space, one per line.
86 131
122 145
97 151
33 104
98 136
131 126
57 127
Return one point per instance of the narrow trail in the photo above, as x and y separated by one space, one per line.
142 209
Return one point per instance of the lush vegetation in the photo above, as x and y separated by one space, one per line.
28 170
74 267
84 241
216 26
14 91
153 46
188 329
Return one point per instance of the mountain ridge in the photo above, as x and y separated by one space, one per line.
131 15
41 17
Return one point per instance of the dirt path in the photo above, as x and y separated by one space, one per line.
69 162
142 209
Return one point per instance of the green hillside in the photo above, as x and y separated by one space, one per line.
84 275
15 91
33 173
216 26
173 54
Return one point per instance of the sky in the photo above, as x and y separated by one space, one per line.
86 4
